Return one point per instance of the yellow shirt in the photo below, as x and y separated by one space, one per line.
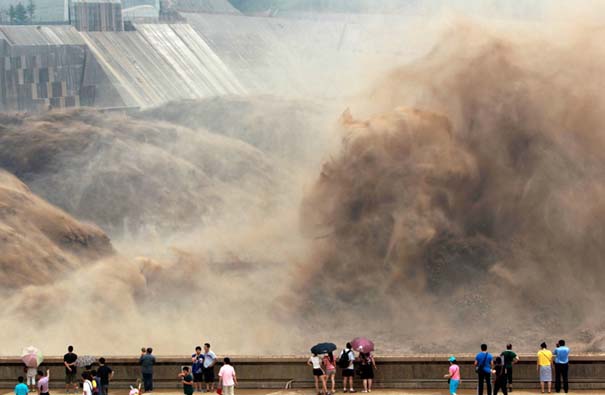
544 358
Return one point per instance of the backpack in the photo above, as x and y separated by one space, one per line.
343 360
96 384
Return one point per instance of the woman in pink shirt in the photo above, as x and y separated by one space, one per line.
227 378
330 366
453 375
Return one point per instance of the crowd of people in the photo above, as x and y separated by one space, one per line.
324 370
199 377
95 379
493 374
499 371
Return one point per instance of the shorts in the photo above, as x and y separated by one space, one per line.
331 372
545 374
228 389
31 380
198 377
318 372
348 372
366 372
454 386
70 377
208 375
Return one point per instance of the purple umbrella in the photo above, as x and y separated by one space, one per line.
362 344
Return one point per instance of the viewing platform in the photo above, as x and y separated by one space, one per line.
586 372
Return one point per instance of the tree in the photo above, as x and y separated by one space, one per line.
31 10
12 14
20 14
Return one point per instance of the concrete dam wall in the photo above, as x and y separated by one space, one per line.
57 66
214 54
323 56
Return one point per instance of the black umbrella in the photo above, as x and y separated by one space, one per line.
323 348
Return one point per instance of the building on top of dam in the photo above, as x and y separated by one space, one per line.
96 15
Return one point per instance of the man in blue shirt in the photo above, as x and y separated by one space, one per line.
21 388
561 355
197 368
483 367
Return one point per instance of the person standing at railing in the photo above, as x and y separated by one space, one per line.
209 362
197 368
510 358
105 373
545 367
147 360
69 360
483 368
561 355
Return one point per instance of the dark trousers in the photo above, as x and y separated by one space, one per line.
509 375
148 382
487 377
500 385
561 371
104 389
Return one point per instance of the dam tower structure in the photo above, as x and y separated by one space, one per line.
96 15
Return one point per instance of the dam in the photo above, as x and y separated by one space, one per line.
324 175
58 66
213 51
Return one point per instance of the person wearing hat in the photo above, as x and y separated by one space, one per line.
453 375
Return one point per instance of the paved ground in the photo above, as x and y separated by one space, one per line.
310 392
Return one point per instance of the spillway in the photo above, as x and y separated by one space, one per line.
58 66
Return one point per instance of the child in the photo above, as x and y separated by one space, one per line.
500 376
227 378
43 382
87 384
187 381
453 375
21 387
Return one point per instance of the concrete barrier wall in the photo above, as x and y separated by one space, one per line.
586 372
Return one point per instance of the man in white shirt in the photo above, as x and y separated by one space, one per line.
209 362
